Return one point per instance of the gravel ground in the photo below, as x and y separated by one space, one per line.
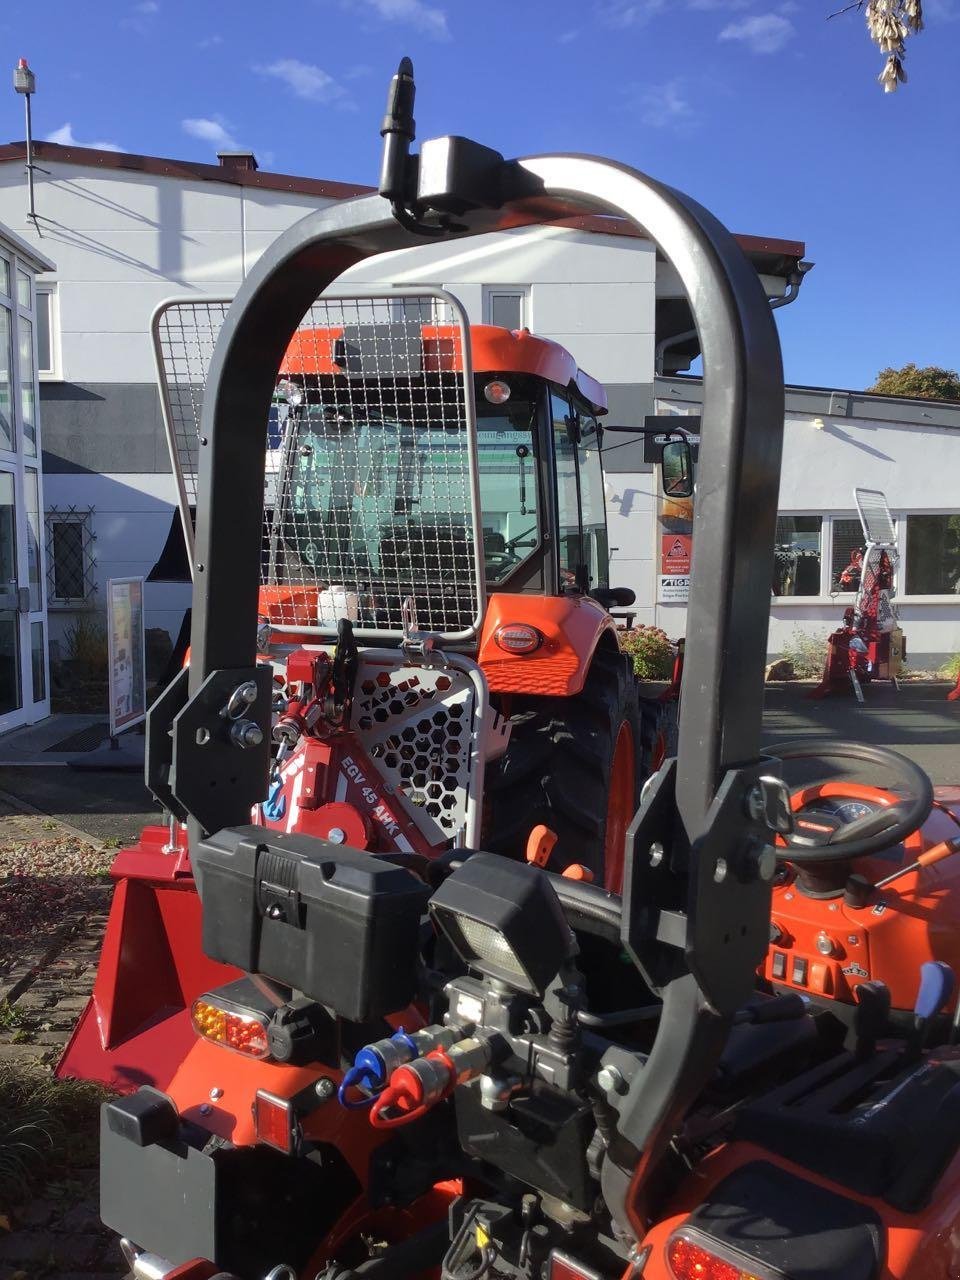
54 898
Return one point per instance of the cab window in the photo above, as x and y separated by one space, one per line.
509 487
569 538
581 509
593 505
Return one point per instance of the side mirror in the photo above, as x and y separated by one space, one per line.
676 460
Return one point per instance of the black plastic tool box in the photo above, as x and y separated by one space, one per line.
337 924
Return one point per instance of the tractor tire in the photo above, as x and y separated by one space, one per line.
576 765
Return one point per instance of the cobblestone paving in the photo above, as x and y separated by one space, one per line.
54 901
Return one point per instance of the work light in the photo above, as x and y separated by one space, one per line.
504 920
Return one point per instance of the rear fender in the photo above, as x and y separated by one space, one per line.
571 626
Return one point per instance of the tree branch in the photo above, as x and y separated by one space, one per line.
857 4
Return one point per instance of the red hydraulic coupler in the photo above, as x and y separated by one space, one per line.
417 1086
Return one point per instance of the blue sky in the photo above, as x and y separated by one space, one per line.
762 109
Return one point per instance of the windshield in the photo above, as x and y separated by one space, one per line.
509 489
363 492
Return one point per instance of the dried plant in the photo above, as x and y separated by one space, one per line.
889 23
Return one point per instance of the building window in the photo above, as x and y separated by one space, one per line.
70 561
933 555
506 307
46 314
796 570
847 538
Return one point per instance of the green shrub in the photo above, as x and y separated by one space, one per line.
86 641
651 651
807 653
951 668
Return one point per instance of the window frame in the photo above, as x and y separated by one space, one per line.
521 291
902 519
83 517
48 289
821 597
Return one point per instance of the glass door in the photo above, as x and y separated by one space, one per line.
24 681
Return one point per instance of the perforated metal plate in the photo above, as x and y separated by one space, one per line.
370 479
418 725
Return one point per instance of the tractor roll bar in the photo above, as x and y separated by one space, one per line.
695 920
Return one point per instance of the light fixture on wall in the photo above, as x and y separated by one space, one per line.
817 424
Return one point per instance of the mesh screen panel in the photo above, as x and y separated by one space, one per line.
370 467
875 516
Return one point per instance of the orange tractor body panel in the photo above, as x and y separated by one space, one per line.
571 627
313 353
919 1246
915 920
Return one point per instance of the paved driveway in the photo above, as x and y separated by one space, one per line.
918 722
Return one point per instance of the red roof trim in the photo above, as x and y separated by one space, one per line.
89 157
122 160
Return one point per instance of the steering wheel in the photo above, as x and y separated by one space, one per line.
499 562
873 833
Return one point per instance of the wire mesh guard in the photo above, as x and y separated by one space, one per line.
875 517
370 460
417 723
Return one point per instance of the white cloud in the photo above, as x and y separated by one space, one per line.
729 5
64 136
621 14
764 33
209 42
147 6
215 131
663 106
567 37
305 80
412 13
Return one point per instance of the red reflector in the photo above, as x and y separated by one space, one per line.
275 1122
690 1261
563 1267
517 637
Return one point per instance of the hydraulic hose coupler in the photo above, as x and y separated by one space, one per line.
417 1086
375 1063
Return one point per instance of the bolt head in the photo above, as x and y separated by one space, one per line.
216 1094
325 1088
205 1108
337 835
656 853
611 1079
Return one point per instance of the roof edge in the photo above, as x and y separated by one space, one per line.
834 402
90 157
765 247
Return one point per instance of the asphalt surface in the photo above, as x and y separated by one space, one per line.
917 721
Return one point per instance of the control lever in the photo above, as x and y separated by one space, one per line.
782 1008
936 987
872 1016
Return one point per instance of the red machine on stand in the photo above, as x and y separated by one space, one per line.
869 645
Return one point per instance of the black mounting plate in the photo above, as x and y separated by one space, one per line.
159 744
212 779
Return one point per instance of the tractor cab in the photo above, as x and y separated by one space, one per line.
388 448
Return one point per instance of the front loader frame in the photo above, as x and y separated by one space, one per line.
696 903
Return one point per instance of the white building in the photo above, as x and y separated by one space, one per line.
835 441
130 231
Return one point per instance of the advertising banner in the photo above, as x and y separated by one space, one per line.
126 653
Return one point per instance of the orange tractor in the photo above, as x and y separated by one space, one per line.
429 1060
434 608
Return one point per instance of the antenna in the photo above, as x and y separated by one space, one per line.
25 82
